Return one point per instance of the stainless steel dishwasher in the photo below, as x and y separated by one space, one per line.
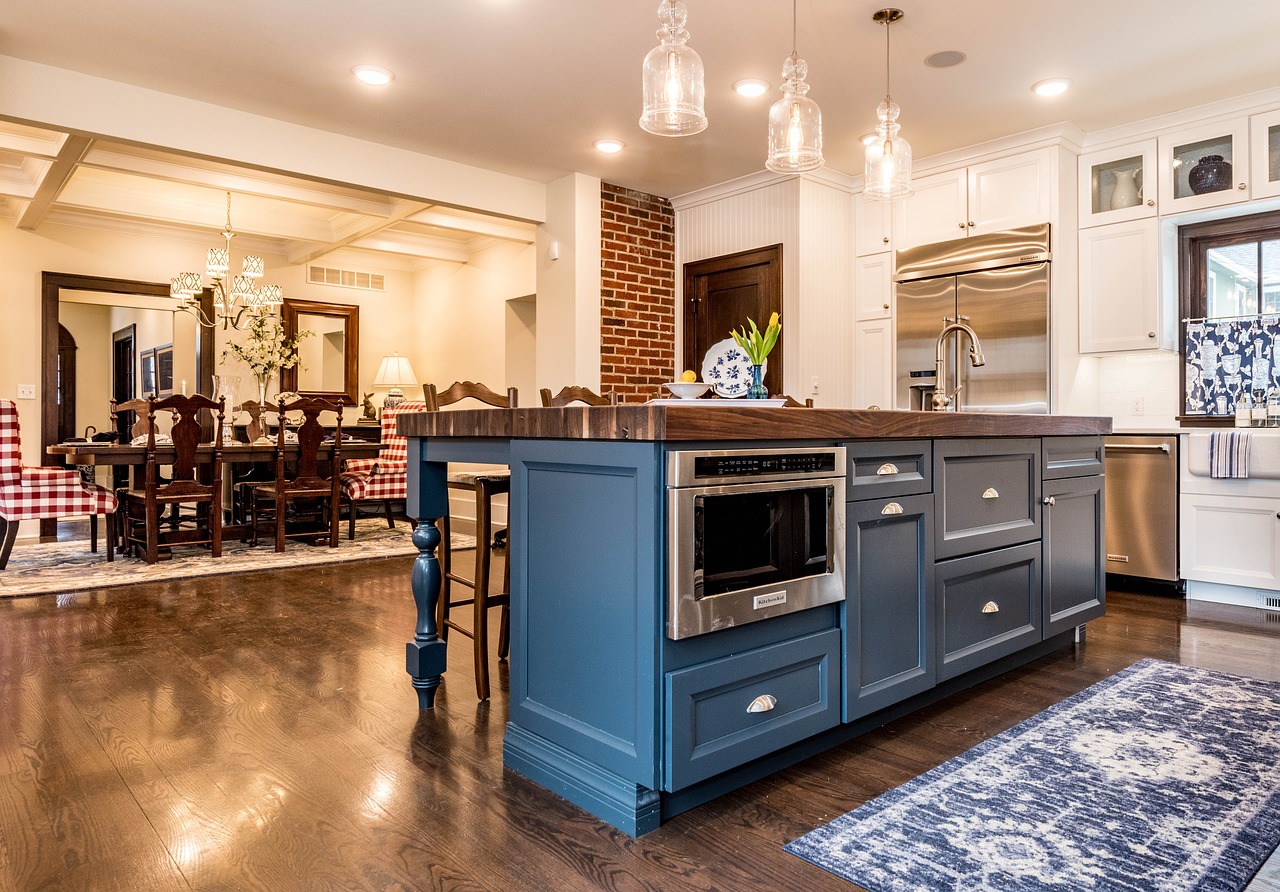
1142 506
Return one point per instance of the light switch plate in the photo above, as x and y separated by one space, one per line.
26 391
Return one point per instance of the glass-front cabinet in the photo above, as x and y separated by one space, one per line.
1118 185
1264 154
1204 167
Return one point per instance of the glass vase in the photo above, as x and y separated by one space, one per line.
757 389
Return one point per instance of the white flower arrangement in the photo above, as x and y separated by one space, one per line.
266 350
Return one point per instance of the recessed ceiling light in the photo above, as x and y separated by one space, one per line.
945 59
610 146
751 87
373 75
1051 87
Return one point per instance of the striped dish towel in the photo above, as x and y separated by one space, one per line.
1229 454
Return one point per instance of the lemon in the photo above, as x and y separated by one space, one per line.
689 375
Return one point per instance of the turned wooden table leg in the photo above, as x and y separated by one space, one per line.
427 501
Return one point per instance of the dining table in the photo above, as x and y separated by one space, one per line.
251 457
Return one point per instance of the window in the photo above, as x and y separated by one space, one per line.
1230 301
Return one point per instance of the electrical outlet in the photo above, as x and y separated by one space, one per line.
1135 406
813 385
26 391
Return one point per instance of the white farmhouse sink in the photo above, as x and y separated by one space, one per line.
1264 454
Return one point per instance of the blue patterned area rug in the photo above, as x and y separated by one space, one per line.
1162 777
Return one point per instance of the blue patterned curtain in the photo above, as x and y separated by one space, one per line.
1227 358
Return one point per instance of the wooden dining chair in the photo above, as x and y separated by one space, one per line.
484 485
572 394
40 492
303 504
151 520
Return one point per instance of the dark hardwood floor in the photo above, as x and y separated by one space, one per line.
259 732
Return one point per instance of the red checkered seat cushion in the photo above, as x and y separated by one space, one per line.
41 492
384 477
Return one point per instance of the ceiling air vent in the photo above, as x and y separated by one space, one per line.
346 278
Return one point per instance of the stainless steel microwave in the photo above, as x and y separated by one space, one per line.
752 534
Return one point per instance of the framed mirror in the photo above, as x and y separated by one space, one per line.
329 362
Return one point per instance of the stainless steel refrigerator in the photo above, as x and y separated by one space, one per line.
998 285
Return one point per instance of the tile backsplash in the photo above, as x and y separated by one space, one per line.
1139 389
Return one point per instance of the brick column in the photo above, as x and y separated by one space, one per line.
637 294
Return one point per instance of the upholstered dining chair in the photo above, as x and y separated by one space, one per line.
195 478
484 485
572 394
40 493
382 479
306 499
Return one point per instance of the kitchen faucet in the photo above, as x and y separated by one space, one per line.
942 401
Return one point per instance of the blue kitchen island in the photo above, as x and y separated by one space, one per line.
663 652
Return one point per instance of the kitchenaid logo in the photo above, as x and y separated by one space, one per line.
769 600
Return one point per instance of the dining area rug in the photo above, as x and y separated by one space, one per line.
1161 778
69 566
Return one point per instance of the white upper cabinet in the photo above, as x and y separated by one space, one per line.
1204 167
1121 307
1118 185
1264 154
873 225
873 287
986 197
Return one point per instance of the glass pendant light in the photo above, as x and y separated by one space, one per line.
674 95
795 121
888 168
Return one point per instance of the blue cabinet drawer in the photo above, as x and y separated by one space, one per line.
726 712
989 606
988 494
884 469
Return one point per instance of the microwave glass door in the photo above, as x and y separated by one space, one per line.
748 539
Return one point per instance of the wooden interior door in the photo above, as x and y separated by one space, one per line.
123 363
66 393
721 293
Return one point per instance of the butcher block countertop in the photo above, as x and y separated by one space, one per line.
674 423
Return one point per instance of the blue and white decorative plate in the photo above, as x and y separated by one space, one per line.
727 369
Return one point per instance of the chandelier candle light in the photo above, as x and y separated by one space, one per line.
237 300
795 122
888 167
672 76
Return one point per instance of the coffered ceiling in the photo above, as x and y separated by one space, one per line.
524 87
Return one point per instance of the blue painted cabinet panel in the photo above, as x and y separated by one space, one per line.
989 607
586 598
1075 588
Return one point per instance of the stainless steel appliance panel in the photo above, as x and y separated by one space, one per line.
1008 308
1142 506
999 285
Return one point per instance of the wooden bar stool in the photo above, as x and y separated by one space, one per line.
484 485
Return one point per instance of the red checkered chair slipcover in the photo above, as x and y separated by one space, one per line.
42 492
384 478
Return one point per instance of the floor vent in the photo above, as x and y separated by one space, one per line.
346 278
1269 602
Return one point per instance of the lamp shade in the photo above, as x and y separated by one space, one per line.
394 371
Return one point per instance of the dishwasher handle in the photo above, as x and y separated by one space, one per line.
1137 447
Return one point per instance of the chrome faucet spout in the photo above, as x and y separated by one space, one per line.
942 400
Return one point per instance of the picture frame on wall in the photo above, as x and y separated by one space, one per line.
164 370
147 376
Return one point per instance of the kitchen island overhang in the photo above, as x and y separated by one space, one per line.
617 717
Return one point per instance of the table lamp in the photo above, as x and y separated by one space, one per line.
394 371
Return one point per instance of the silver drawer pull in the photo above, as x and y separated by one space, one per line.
891 508
763 703
991 493
1050 501
991 607
886 469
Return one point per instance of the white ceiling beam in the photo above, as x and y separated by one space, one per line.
23 140
425 248
354 233
444 220
53 181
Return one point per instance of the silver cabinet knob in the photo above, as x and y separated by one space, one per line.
886 306
1151 334
991 607
891 508
962 226
886 469
991 493
763 703
886 239
972 224
1049 500
1243 186
1151 202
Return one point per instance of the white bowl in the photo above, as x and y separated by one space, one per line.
688 390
